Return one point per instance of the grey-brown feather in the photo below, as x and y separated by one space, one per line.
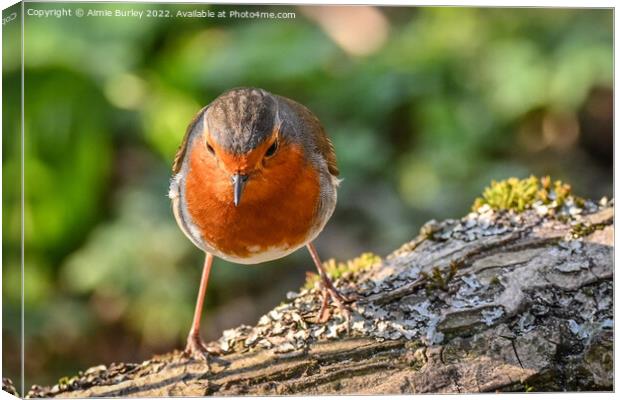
241 119
311 130
181 151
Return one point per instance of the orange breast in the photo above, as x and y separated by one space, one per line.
277 209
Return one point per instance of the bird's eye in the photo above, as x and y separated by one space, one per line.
210 148
272 149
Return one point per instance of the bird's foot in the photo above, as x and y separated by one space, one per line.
342 302
198 350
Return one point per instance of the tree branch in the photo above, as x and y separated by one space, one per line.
527 306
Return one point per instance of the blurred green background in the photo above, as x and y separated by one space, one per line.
425 107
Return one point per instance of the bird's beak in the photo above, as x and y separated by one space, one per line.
238 182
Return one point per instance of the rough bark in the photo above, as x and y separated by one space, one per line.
495 301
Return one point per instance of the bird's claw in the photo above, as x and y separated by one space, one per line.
340 300
198 350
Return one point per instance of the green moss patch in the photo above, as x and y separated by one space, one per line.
584 229
521 194
438 279
337 270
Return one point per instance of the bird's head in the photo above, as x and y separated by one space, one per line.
246 147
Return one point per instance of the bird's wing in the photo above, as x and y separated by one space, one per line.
327 148
323 142
178 158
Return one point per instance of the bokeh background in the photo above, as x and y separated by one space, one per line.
425 106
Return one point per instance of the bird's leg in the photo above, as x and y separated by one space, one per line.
195 346
324 311
329 290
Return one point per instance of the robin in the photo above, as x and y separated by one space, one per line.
254 179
